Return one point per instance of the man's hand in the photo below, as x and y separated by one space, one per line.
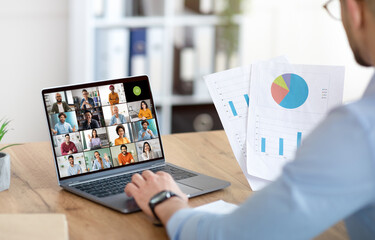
144 187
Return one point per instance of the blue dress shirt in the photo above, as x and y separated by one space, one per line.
147 135
332 178
120 116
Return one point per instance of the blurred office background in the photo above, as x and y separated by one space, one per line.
46 43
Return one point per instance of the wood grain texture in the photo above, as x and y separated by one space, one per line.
34 188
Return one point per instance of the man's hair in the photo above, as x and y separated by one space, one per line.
88 111
84 90
62 114
67 135
144 121
70 157
123 145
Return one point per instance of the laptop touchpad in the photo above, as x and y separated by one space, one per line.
188 190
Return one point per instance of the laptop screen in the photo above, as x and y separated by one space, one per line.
102 125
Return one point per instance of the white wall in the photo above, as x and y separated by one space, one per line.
306 34
33 55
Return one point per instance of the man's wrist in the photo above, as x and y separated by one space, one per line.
166 209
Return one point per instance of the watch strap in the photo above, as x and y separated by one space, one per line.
159 198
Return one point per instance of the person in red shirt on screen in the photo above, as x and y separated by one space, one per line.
68 147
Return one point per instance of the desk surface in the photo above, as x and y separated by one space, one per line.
34 188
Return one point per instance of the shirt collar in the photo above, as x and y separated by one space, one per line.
370 90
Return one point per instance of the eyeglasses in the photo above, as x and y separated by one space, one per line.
333 8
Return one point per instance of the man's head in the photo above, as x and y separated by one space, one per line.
144 124
71 160
67 138
85 93
124 149
115 110
62 117
112 88
358 18
58 97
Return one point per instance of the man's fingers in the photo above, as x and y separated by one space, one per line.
147 174
130 189
138 180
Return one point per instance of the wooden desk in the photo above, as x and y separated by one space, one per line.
34 188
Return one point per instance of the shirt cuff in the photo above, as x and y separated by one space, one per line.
175 223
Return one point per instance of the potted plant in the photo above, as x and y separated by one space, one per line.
4 158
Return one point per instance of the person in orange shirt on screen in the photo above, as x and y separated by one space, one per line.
113 96
120 130
144 112
125 157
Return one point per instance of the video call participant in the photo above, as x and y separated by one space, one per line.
89 122
147 152
99 163
144 112
125 157
68 147
145 133
63 127
60 106
120 130
117 118
113 96
73 169
94 140
86 101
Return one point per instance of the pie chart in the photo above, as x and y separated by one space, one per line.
289 90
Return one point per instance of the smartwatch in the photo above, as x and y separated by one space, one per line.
159 198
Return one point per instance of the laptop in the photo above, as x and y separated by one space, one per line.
104 132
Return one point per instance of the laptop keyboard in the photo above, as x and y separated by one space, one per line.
115 185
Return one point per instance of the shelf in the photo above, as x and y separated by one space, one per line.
160 21
130 22
178 29
181 100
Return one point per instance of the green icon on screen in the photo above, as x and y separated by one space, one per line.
137 90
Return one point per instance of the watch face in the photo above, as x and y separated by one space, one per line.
159 197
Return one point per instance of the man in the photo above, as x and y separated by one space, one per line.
332 177
113 96
145 133
68 147
63 127
125 157
73 169
117 118
86 101
60 106
89 122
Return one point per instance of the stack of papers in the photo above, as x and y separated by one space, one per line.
269 107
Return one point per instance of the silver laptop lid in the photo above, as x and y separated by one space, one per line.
102 127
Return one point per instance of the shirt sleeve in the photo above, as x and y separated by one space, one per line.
74 148
330 179
113 119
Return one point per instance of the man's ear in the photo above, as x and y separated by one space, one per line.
355 12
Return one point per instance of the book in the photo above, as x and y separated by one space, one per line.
137 52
